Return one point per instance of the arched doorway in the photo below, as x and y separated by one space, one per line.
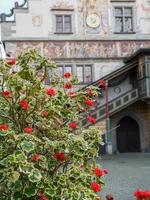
128 135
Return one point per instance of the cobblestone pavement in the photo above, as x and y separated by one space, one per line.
128 172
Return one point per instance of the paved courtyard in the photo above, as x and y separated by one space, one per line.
128 172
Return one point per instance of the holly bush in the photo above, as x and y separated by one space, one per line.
45 153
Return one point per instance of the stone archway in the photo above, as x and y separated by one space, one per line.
128 135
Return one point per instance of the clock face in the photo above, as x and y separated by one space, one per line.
93 20
117 90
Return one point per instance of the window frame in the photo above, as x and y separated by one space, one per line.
123 16
64 68
63 15
83 69
74 70
122 1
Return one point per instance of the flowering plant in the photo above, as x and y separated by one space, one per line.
44 151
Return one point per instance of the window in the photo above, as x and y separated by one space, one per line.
141 68
61 69
122 1
84 73
63 24
142 71
124 19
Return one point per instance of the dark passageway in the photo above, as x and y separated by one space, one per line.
128 135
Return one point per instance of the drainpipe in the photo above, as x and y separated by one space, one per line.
108 134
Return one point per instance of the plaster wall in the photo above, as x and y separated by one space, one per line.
116 91
35 28
39 21
105 67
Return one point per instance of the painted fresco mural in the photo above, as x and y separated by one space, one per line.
57 4
37 20
93 35
144 19
93 19
78 49
96 11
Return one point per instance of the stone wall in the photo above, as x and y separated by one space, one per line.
140 111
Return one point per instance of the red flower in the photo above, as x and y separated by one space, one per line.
43 197
68 85
91 119
35 157
102 83
28 130
73 125
67 75
60 156
98 172
24 104
95 186
71 94
142 195
6 93
4 127
89 92
105 171
139 194
45 113
11 61
89 102
147 193
51 92
81 165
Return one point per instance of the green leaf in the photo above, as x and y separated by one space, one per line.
17 196
35 176
1 175
18 185
43 162
30 191
27 146
4 162
9 159
3 133
50 192
26 168
20 158
14 176
40 185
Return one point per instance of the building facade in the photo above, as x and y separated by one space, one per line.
91 36
91 39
